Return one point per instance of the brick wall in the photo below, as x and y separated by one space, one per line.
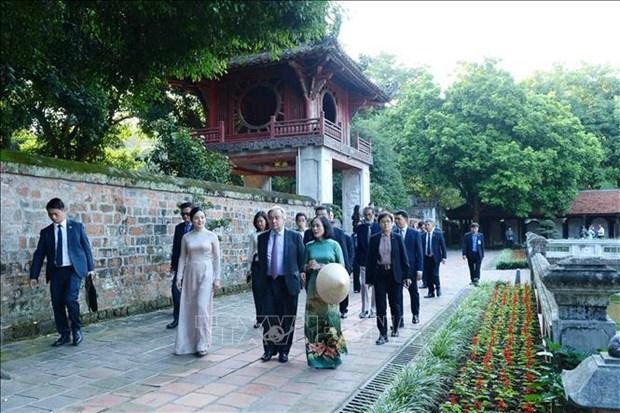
130 221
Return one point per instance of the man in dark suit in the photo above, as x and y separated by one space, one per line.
387 270
473 251
413 248
341 238
180 229
363 232
69 259
280 261
435 253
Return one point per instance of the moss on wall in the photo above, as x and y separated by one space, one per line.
19 162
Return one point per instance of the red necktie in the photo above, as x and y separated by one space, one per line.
274 256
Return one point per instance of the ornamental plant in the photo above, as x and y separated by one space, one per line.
500 373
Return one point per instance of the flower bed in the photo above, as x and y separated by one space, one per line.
510 259
500 373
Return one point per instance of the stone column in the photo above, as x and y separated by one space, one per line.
581 288
351 196
257 181
314 174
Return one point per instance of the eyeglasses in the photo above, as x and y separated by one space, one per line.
184 214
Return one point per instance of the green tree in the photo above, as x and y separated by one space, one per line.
178 154
499 145
593 94
72 70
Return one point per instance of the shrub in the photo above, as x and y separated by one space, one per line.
511 259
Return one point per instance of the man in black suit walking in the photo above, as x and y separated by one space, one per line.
413 248
280 261
69 259
387 269
180 229
473 251
435 254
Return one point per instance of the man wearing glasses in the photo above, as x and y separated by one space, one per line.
181 229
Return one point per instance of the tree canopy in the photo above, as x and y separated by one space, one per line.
494 141
72 70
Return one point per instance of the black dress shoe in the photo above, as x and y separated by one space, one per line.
381 340
283 357
77 338
343 315
267 355
61 341
356 291
438 292
394 333
429 296
415 319
173 324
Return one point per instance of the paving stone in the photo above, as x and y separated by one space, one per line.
218 389
41 392
15 400
128 360
237 399
56 402
180 389
10 387
256 389
196 399
155 399
134 390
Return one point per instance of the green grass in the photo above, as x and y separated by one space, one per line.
423 385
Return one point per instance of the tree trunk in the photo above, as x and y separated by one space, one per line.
476 209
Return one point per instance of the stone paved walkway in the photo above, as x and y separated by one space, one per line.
128 365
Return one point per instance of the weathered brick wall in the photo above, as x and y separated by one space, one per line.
130 221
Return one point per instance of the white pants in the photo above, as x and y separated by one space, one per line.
368 293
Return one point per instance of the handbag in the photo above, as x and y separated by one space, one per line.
91 294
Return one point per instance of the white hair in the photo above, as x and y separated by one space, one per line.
276 208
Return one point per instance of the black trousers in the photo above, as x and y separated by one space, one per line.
431 272
474 261
258 290
414 295
280 311
344 305
176 299
65 291
386 286
356 278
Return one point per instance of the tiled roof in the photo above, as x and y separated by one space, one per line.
604 201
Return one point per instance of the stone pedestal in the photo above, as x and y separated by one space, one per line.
581 288
594 384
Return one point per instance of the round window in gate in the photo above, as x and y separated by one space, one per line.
258 104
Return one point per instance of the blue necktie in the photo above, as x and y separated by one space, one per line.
188 228
59 247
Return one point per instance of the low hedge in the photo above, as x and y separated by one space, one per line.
511 259
421 386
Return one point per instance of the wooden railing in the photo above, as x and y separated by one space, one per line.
209 135
279 129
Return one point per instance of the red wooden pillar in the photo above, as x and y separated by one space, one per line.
221 125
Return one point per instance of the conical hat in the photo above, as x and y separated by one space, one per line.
332 283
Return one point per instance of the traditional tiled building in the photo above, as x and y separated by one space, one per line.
291 116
